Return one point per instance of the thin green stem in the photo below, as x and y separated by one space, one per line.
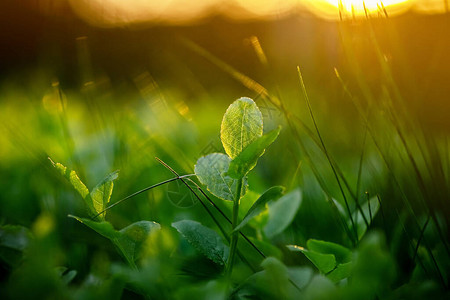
141 191
234 223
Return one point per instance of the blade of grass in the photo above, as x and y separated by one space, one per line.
305 94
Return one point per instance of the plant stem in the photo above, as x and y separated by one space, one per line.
234 221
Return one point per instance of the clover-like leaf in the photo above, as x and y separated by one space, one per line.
211 171
342 254
333 260
242 123
273 193
133 237
247 159
324 262
282 213
204 239
129 240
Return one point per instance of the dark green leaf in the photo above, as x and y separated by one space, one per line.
324 262
103 228
205 240
14 240
342 271
342 254
133 237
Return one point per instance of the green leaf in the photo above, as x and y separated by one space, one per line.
14 240
129 240
133 237
324 262
65 275
330 258
301 276
282 213
101 193
271 194
247 159
271 283
342 271
342 254
211 171
242 123
205 240
103 228
77 184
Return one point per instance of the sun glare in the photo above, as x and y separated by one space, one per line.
361 7
118 12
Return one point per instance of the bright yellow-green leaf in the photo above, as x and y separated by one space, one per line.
101 193
97 200
242 123
77 184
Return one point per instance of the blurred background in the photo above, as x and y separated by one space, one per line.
106 85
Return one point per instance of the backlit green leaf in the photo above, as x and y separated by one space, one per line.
211 171
242 123
205 240
77 184
247 159
101 193
282 213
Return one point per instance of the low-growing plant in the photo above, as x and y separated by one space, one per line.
225 176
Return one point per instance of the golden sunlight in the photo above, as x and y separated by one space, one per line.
117 12
359 8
